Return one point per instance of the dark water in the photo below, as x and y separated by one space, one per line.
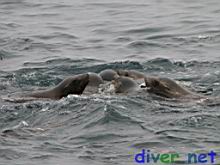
42 42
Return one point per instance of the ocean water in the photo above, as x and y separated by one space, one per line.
42 42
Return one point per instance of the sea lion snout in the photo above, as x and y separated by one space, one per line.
151 82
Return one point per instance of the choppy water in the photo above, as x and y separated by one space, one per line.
42 42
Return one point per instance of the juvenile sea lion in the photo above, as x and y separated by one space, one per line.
94 82
125 84
167 88
95 79
71 85
108 74
131 73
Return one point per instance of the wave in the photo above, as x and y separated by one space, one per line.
74 123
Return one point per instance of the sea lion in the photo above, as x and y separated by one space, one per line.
94 82
124 84
71 85
166 87
95 79
131 73
108 74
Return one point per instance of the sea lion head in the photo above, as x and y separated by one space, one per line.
94 79
131 73
74 85
121 72
108 74
124 84
163 88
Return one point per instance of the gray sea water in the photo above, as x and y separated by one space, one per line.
42 42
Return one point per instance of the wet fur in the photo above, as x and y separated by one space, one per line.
71 85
